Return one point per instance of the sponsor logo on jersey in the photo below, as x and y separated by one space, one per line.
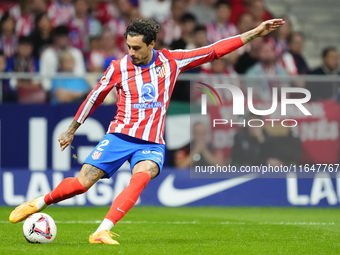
148 105
148 92
96 155
159 154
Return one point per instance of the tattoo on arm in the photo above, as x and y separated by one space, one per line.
73 127
248 36
93 173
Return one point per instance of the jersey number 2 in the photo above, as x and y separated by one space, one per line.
103 143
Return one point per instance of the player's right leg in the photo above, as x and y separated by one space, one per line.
68 188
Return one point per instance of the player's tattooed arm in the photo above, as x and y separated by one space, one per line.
248 36
66 137
92 173
262 30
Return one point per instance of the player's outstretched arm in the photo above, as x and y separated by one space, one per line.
66 137
262 30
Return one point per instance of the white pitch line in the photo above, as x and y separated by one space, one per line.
197 223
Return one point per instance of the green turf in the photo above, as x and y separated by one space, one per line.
200 230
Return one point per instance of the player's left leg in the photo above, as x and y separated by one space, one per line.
142 172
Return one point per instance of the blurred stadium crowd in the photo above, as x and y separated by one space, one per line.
80 36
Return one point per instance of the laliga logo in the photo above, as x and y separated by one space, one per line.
238 101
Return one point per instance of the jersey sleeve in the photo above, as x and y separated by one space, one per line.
97 95
187 59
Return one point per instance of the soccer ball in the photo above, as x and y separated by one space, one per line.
39 228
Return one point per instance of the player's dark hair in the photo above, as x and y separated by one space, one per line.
148 28
327 50
220 3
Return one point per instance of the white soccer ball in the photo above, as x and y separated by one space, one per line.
39 228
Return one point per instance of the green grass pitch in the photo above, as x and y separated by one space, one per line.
186 230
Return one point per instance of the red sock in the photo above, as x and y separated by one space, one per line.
128 197
68 188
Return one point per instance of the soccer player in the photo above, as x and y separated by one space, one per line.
144 80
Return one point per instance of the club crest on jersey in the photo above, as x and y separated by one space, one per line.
161 71
96 155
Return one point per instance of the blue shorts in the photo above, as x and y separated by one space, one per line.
114 149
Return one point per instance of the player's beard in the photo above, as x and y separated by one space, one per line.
139 61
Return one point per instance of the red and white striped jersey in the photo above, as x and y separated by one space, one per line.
144 91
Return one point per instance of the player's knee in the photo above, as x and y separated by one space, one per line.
146 166
89 175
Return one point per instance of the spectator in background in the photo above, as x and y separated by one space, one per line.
101 57
203 10
94 58
292 60
29 91
39 7
24 17
8 38
181 91
171 27
281 39
60 12
221 28
219 71
119 24
258 10
158 10
188 24
245 23
330 62
199 152
6 93
256 145
103 11
330 66
237 9
83 26
200 37
42 36
249 58
266 67
68 90
49 60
